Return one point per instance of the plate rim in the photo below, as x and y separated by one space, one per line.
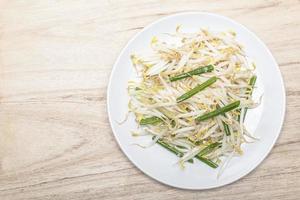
247 171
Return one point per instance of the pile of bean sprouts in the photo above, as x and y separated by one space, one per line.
192 95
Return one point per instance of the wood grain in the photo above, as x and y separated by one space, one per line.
55 60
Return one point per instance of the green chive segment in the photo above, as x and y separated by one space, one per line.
251 83
207 161
209 149
150 120
218 111
196 89
225 126
197 71
180 154
172 149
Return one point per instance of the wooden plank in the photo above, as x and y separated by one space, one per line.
55 61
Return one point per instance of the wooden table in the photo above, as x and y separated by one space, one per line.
55 60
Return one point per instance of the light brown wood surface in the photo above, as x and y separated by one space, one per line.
55 60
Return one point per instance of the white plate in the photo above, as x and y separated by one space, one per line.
265 121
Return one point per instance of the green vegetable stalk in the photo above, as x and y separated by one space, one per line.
219 111
196 89
198 71
180 154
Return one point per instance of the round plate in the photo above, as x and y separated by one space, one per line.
265 121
